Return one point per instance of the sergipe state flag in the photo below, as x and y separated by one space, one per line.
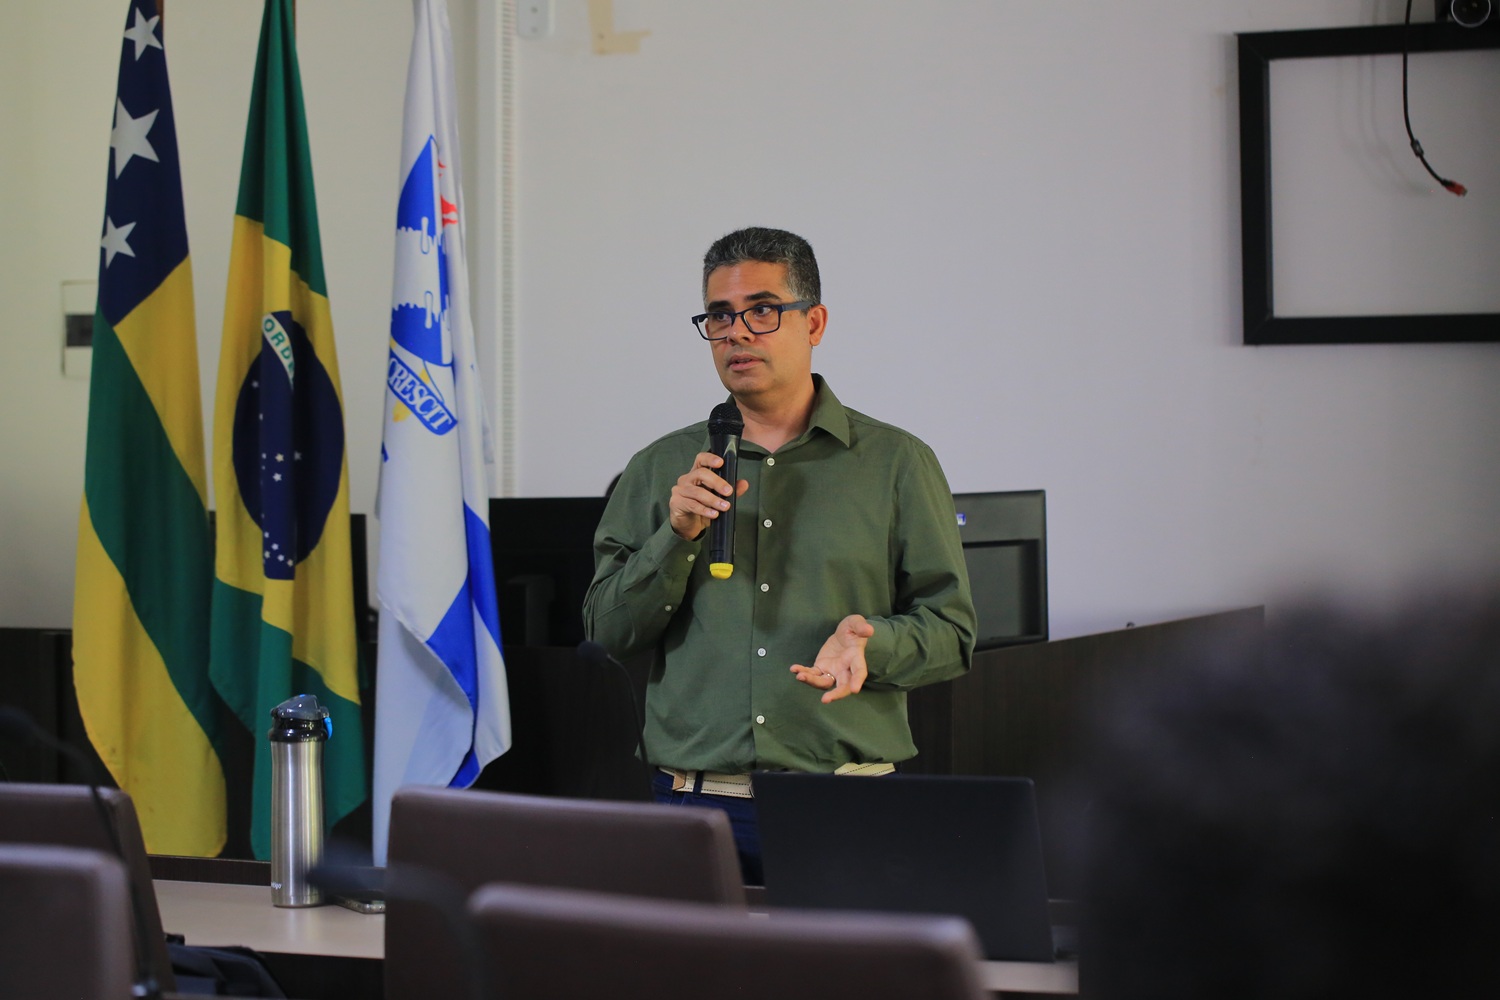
283 605
140 608
441 707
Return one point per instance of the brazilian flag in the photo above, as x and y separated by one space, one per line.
145 556
283 603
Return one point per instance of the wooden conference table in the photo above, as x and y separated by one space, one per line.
211 913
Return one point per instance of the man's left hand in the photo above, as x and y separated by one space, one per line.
839 670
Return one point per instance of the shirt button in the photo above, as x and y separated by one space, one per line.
691 558
761 651
767 522
770 461
760 720
668 607
763 588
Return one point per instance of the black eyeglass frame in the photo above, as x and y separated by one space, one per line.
739 317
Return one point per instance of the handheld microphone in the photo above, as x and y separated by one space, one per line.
724 428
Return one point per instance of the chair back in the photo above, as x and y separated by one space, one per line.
65 816
65 915
557 943
471 838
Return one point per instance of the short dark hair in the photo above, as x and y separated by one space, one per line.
1321 820
769 246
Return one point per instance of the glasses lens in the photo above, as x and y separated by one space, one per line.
717 324
764 318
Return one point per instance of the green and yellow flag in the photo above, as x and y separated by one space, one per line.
145 555
283 597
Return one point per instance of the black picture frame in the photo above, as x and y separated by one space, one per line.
1257 50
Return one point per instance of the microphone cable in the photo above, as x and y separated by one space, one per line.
595 653
24 728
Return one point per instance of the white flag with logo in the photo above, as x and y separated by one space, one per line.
441 707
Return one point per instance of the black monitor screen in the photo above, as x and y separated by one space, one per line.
544 560
1005 547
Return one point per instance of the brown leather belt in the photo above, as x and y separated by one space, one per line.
738 785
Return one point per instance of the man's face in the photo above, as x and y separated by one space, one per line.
761 366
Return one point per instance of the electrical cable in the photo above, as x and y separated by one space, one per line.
1416 147
23 728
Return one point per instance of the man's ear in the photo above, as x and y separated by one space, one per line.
817 322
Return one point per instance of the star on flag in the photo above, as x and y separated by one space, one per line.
128 138
143 34
114 240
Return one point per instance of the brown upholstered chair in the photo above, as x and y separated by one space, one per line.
473 837
557 943
65 816
65 915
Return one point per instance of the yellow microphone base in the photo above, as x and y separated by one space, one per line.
721 571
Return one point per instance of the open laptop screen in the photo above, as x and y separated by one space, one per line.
911 843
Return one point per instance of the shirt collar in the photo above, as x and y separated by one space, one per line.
828 415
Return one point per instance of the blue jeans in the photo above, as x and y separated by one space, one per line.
741 813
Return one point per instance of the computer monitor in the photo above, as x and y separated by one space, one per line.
1004 536
544 560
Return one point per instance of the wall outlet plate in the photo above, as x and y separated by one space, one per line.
78 301
533 18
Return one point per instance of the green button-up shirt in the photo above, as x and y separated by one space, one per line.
853 517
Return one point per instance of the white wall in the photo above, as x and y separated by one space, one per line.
1027 219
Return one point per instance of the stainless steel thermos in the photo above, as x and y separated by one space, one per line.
299 728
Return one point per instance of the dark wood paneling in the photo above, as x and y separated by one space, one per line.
27 684
36 676
1018 711
220 871
1024 710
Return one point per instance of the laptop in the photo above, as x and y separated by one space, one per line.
916 844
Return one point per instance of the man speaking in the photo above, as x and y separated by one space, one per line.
845 586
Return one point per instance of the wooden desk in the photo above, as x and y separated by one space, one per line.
316 953
213 913
1029 977
205 913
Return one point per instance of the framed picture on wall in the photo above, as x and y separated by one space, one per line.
1345 237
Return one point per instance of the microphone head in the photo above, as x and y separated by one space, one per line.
592 651
725 419
351 881
17 724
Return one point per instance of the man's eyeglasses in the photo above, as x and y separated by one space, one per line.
763 317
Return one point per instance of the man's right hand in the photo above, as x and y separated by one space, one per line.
700 495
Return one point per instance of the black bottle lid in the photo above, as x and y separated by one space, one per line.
298 719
